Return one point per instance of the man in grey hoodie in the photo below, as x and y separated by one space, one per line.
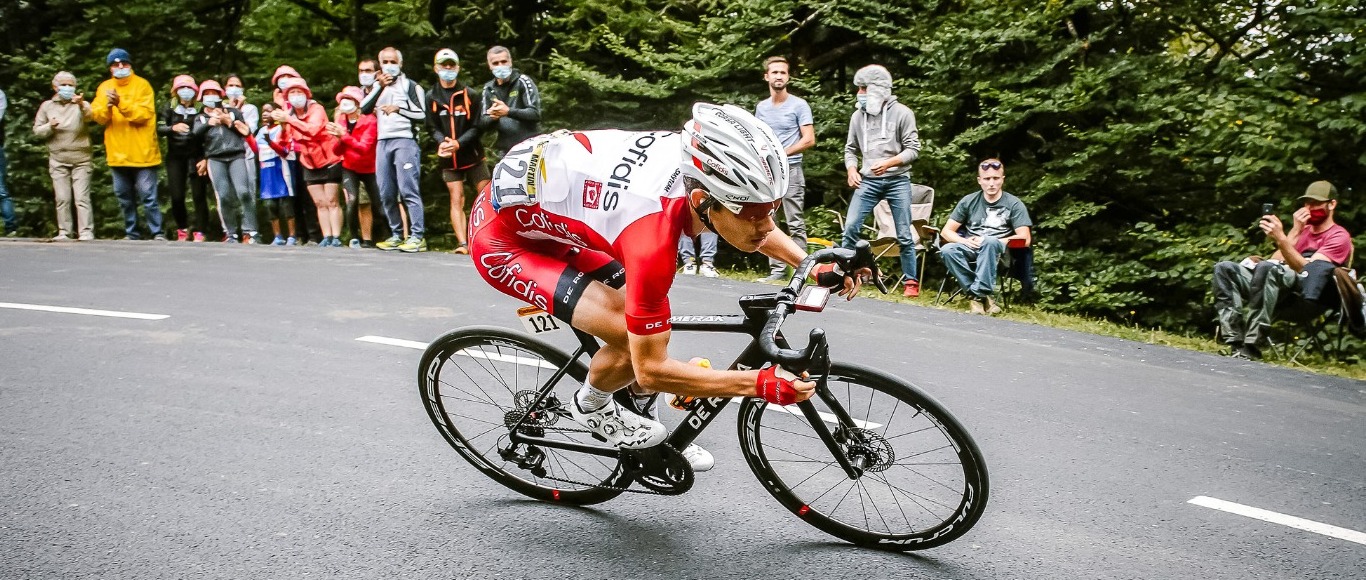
397 105
884 132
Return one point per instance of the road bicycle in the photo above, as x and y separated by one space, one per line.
871 459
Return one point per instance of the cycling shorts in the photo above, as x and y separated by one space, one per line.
548 274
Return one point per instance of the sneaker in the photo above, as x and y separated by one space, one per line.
1251 352
291 241
992 307
690 268
233 239
700 459
199 236
707 270
413 244
182 235
367 245
390 244
159 237
912 289
250 238
773 278
86 237
462 249
620 427
976 306
355 244
337 243
61 237
279 241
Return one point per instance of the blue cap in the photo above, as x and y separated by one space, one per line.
118 55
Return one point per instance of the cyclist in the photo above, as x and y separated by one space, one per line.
585 226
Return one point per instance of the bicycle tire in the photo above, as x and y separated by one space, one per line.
472 398
927 446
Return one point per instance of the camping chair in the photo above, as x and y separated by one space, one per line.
1316 324
882 233
1016 263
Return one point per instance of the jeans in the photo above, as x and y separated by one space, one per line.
793 204
896 189
6 205
977 279
685 247
1260 289
141 181
397 167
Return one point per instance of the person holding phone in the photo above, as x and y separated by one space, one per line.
1247 293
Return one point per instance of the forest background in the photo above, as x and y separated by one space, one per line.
1143 136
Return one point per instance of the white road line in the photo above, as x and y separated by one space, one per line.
1282 519
472 353
827 417
86 311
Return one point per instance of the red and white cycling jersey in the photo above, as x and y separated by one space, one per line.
619 193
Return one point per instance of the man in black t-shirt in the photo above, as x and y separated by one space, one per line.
980 228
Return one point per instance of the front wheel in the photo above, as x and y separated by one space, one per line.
924 482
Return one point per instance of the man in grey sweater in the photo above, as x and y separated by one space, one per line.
884 132
397 105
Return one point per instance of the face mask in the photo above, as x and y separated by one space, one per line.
348 106
66 92
185 94
502 72
123 73
298 101
234 92
391 69
367 79
448 75
863 101
213 101
280 84
1317 216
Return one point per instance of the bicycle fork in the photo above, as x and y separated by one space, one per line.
845 428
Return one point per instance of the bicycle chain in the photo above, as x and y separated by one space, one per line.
626 489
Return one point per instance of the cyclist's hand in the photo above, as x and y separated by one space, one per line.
776 385
854 282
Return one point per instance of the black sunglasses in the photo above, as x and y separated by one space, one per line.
991 165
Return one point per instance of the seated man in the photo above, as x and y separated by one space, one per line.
586 225
1262 284
990 218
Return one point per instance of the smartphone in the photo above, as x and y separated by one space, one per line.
1266 209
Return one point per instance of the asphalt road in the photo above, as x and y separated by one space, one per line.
249 435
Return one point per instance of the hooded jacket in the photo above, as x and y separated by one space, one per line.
357 143
890 132
130 134
310 132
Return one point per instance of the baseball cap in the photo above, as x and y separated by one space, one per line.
1320 191
446 55
118 55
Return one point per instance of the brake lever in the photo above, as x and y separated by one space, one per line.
863 258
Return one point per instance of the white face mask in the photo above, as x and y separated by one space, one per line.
391 69
367 79
234 93
185 94
66 92
123 73
298 101
282 83
347 106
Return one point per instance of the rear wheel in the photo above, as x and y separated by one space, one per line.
924 484
477 382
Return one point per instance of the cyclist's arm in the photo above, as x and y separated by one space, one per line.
657 372
780 246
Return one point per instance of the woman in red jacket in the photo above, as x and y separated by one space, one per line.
306 122
356 139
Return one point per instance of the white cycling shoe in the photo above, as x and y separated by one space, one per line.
700 459
648 407
620 427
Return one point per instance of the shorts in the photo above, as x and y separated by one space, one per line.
475 175
548 274
330 174
279 208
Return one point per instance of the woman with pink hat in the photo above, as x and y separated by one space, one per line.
305 214
356 137
183 154
306 122
222 130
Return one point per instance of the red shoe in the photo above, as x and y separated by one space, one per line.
182 235
199 236
912 289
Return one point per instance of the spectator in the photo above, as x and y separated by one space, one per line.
277 186
365 73
221 131
183 155
305 212
235 96
397 157
688 254
306 122
62 123
990 218
511 103
126 107
790 118
6 205
355 135
1260 285
452 117
884 132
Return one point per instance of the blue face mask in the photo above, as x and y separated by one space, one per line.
185 94
391 69
123 73
863 101
447 75
66 92
234 92
502 72
212 101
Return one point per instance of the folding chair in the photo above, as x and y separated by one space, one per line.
1016 263
1308 324
883 231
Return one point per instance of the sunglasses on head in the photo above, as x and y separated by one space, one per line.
990 165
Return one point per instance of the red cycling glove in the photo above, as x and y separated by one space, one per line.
828 276
775 386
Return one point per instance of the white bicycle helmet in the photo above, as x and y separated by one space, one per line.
735 156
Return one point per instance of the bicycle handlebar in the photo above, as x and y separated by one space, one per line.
798 361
